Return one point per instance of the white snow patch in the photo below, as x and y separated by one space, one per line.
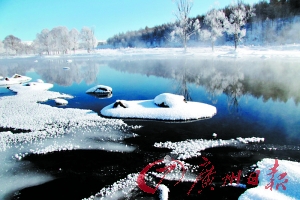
292 186
191 148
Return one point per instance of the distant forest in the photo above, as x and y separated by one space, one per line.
273 17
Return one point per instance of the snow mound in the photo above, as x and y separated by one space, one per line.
169 100
38 85
292 186
15 79
178 109
100 89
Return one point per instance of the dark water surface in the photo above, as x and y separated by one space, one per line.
254 98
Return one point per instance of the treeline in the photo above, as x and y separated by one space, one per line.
59 40
276 13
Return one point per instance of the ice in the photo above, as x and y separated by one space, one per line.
43 129
123 188
292 186
191 148
147 109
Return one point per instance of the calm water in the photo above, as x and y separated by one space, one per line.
254 97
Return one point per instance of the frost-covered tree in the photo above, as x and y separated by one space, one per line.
184 27
215 20
60 39
237 20
74 38
12 43
43 41
1 47
88 39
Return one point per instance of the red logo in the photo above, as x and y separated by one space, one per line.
170 165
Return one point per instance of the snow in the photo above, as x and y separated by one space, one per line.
38 85
163 192
169 100
15 79
102 89
61 101
191 148
251 51
47 129
292 186
147 109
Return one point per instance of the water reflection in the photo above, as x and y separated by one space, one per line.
266 79
52 70
275 80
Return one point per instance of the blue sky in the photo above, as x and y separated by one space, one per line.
25 18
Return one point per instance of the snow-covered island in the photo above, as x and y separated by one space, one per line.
165 106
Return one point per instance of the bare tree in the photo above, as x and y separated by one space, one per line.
184 27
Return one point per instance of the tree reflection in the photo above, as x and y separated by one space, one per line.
275 80
182 82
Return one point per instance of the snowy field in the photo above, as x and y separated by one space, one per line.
35 128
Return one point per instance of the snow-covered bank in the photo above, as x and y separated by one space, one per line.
279 51
286 190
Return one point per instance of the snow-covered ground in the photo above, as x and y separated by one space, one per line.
279 51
